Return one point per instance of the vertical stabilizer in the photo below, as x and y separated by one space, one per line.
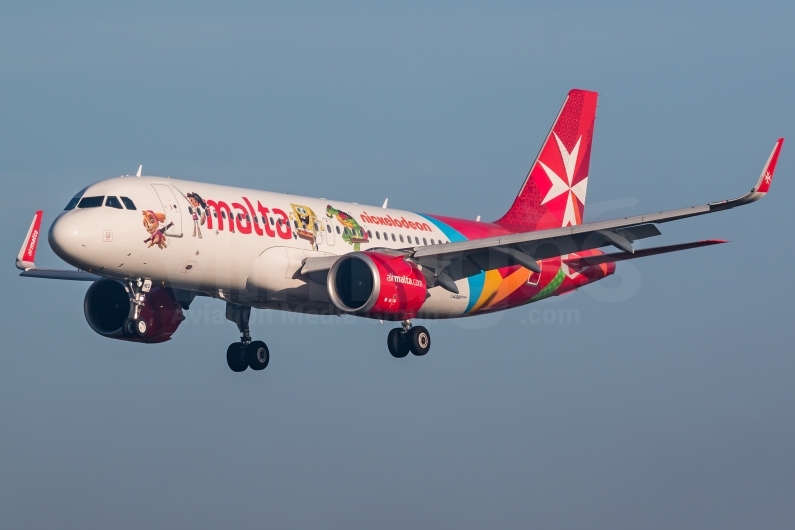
553 195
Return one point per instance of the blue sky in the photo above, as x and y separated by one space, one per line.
669 406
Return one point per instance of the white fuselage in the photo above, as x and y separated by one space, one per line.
238 244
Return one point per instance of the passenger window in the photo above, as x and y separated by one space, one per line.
75 200
393 237
215 214
128 203
91 202
369 234
377 235
338 229
424 241
113 202
223 214
401 238
432 243
416 240
272 223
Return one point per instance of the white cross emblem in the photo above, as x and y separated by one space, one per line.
560 186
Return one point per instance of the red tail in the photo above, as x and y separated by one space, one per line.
553 195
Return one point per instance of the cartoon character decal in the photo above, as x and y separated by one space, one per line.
154 223
352 233
197 209
306 225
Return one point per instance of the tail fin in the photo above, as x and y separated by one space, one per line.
553 195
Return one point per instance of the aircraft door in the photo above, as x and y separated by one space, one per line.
171 208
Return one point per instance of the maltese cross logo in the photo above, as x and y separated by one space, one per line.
561 186
768 177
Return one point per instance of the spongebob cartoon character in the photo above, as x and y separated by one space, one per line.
306 225
352 233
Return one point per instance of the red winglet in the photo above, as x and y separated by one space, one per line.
27 254
763 184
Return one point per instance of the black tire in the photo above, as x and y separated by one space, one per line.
419 340
257 355
128 328
141 327
397 344
236 357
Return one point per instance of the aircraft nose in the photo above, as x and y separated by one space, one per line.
69 239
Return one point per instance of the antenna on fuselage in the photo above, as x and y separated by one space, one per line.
139 170
385 201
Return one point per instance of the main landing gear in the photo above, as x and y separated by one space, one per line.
247 353
136 326
408 338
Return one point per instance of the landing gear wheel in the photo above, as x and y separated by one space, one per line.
236 357
128 328
419 340
141 327
257 355
397 343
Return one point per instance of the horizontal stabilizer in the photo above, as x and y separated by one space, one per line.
588 261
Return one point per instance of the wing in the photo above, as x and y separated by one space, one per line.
453 261
444 264
27 256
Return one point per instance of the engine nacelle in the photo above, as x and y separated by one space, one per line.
108 308
377 285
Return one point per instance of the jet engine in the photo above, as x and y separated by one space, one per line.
378 285
109 311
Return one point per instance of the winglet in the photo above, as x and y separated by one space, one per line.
766 177
27 254
761 187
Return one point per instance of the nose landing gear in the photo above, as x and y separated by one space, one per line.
246 353
408 338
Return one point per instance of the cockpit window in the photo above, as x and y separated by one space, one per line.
75 200
113 202
128 203
91 202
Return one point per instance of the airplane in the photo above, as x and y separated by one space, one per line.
150 245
